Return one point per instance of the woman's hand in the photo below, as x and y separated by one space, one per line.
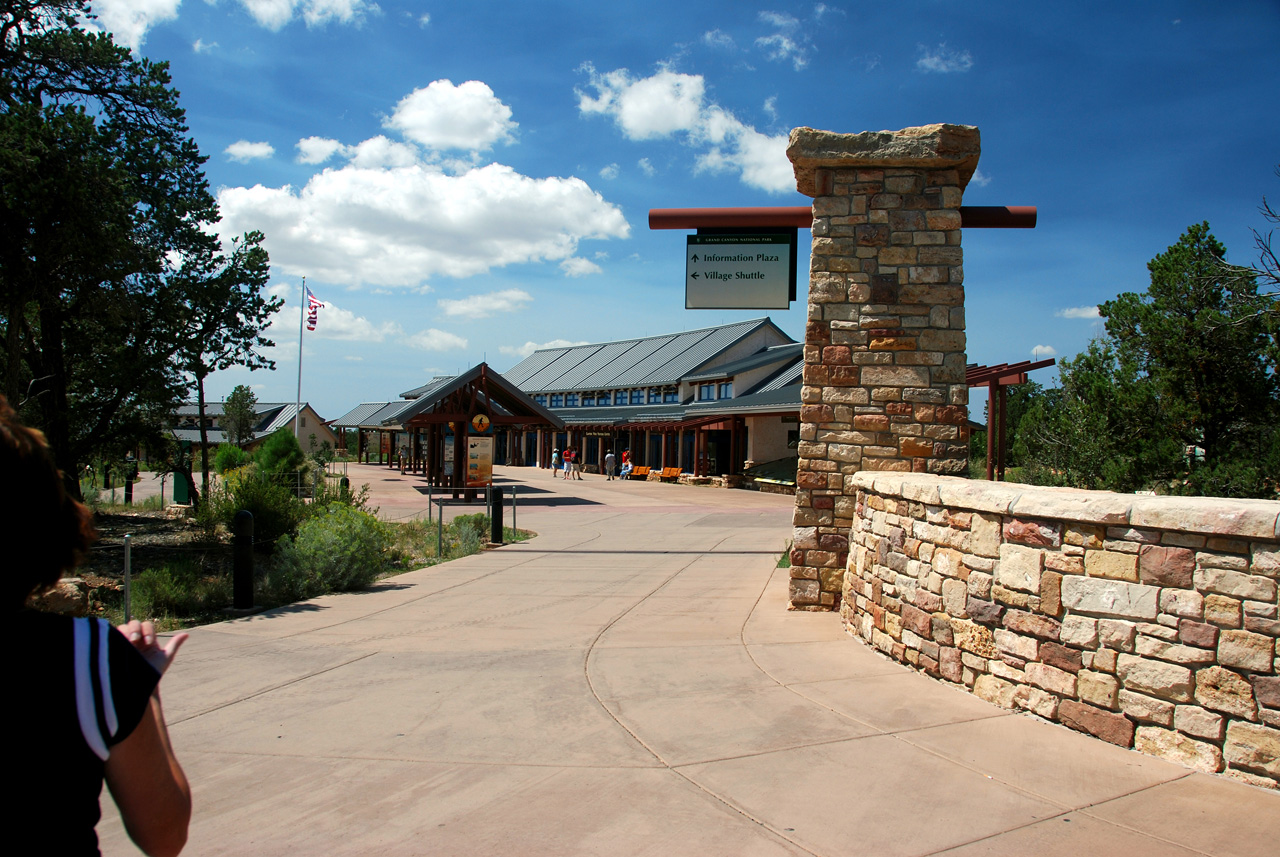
144 639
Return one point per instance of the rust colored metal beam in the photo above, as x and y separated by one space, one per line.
801 216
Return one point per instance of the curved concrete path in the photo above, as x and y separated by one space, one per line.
630 682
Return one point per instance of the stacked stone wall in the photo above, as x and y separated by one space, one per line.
1149 622
884 356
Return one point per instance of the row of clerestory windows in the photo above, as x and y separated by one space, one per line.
668 395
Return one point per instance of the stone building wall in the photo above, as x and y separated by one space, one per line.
1149 622
884 375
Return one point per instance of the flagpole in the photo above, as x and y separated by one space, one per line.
302 314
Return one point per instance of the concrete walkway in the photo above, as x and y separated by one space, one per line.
630 682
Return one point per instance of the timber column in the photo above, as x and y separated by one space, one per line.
884 374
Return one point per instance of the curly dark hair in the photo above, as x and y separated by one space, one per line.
44 530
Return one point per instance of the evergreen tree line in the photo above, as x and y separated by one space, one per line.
1181 393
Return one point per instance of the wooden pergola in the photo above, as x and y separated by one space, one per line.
451 407
996 379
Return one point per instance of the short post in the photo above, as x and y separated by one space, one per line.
428 501
128 574
128 490
495 515
242 574
440 532
513 506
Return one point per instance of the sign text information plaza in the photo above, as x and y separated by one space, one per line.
738 271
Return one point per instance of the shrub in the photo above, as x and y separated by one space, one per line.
279 453
229 457
178 590
340 550
276 511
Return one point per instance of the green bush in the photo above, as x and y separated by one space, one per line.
340 550
279 453
229 457
276 511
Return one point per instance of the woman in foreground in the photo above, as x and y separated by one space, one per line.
85 696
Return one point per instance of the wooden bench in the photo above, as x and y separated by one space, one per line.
670 474
640 473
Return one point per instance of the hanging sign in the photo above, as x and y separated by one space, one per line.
739 271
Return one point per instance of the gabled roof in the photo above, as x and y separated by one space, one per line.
649 361
503 395
271 415
785 377
417 392
763 357
358 415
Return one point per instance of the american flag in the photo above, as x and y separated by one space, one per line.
313 309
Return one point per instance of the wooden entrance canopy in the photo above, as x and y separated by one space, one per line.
996 378
453 404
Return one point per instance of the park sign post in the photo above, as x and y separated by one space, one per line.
740 270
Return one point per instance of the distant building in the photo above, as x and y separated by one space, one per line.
706 401
312 430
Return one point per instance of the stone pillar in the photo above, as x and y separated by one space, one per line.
884 375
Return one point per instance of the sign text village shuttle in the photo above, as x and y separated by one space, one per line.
742 271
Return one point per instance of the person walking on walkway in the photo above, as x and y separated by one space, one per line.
610 464
555 462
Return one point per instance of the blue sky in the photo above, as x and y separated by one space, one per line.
467 181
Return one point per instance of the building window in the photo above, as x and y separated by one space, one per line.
637 397
726 390
706 392
620 397
571 400
588 400
655 395
671 396
557 400
604 399
541 400
302 422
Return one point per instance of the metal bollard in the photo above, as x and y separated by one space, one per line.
128 574
513 506
242 574
440 532
495 515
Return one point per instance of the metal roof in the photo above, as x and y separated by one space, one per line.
532 365
789 375
783 399
425 388
641 362
359 415
773 354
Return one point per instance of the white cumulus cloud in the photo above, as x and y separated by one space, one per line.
432 339
392 216
200 46
1042 351
317 150
333 322
128 20
669 104
244 151
943 60
645 166
579 267
609 172
1079 312
483 306
443 116
274 14
530 347
980 179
